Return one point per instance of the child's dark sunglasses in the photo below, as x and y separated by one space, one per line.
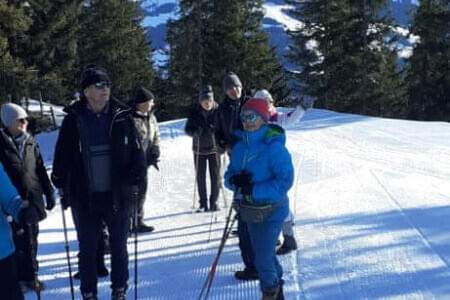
251 117
102 84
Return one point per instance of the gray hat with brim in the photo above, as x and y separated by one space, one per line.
206 93
10 112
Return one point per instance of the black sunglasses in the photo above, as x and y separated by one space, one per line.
102 84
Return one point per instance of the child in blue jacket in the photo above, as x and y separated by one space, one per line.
261 173
12 204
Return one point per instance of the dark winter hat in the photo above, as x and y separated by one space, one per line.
230 80
259 106
11 112
206 92
93 74
142 95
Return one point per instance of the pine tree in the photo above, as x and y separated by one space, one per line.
50 47
14 75
213 37
341 51
112 37
428 68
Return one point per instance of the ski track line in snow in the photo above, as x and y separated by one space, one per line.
407 218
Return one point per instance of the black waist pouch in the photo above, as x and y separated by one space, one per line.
251 213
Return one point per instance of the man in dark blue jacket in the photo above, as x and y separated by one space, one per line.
98 163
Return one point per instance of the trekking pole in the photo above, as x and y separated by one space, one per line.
196 155
66 245
135 221
226 233
36 284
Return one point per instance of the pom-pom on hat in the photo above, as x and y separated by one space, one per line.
264 94
206 92
142 95
259 106
93 74
230 80
10 112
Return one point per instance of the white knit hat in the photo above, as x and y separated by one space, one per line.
263 94
11 112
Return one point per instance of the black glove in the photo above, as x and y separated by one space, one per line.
240 179
28 215
247 188
154 157
50 201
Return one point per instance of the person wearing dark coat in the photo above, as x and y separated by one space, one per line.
98 164
227 122
22 160
200 126
148 133
227 118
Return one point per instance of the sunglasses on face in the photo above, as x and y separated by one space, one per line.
102 84
251 117
22 120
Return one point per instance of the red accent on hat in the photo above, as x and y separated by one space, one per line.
258 105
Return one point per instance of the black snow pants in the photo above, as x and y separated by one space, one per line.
214 167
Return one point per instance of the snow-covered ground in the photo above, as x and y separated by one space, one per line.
371 201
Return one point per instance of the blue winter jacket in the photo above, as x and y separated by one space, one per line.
11 204
263 154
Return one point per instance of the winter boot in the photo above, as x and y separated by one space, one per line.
143 228
89 296
119 294
289 244
102 271
246 274
272 293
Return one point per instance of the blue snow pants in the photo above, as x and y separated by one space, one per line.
264 238
89 230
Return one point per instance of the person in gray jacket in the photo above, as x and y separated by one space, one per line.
148 134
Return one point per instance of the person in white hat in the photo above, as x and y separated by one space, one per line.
284 120
22 160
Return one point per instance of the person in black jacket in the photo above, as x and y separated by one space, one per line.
98 163
148 133
200 125
227 119
22 160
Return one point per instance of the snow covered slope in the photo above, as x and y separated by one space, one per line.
371 202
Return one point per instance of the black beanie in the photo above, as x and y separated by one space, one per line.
206 92
230 80
142 95
93 74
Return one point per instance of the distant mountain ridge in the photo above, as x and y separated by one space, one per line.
276 22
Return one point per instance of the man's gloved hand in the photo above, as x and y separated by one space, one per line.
238 180
154 157
50 201
28 215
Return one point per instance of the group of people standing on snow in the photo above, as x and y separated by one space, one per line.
102 156
260 173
